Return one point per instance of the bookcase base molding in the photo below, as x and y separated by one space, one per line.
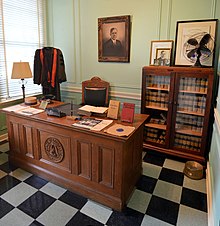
175 153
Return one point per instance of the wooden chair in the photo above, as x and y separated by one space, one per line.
95 92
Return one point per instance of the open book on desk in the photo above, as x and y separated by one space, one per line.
92 123
88 110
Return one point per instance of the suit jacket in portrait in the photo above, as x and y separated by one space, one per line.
111 49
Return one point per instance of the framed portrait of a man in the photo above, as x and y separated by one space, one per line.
114 39
160 53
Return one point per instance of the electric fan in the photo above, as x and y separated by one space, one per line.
199 48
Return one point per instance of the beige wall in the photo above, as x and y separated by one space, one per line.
73 27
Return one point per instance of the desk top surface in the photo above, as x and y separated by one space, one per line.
67 122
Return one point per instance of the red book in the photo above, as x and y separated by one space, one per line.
127 113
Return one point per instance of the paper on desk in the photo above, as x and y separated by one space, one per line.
104 123
30 111
94 109
120 130
15 108
24 110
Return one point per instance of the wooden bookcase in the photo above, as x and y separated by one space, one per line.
178 100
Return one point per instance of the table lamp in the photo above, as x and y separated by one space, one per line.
21 70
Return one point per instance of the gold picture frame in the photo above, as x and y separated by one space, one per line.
114 39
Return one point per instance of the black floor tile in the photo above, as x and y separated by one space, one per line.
171 176
7 168
127 217
146 184
36 181
3 142
194 199
36 223
36 204
73 199
154 158
5 207
7 182
80 219
163 209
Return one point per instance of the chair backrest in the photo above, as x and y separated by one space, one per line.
95 92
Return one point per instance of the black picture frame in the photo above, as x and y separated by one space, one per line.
186 54
119 27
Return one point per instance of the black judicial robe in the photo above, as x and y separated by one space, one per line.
49 70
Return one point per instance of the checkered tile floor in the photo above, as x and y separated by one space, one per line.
163 197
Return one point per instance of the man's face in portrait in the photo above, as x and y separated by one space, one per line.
113 34
162 54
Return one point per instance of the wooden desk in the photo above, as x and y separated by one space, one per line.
102 167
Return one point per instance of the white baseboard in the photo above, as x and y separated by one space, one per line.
209 196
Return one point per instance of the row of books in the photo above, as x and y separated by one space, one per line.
186 83
187 142
158 82
194 84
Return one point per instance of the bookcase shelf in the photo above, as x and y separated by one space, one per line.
156 126
189 132
191 113
155 88
195 92
157 108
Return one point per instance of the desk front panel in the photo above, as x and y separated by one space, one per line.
102 168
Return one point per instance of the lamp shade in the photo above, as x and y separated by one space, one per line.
21 70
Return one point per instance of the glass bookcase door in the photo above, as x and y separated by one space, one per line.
191 105
157 105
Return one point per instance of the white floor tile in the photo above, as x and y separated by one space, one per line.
151 170
192 217
168 191
53 190
139 201
174 165
96 211
57 214
20 174
18 194
198 185
16 217
151 221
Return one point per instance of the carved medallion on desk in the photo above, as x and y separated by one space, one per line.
54 149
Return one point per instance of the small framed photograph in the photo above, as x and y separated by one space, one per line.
160 53
195 43
114 39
